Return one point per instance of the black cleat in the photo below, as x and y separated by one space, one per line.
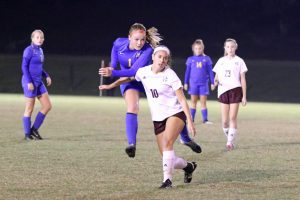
194 146
130 150
35 134
188 171
166 185
28 138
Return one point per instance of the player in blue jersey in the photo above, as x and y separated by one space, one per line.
197 77
133 53
33 86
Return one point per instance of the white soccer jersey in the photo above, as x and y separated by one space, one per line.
160 90
229 72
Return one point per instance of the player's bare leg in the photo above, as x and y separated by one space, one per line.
225 118
233 112
165 141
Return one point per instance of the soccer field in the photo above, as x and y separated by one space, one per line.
82 156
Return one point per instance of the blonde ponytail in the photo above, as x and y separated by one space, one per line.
152 36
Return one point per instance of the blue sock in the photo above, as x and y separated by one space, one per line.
193 113
204 115
39 120
184 135
26 125
131 127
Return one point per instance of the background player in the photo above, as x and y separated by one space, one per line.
133 53
33 86
197 75
231 80
169 111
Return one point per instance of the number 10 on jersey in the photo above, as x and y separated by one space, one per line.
154 93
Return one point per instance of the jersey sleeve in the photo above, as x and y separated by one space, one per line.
142 61
244 68
114 55
187 71
27 55
45 74
210 71
174 81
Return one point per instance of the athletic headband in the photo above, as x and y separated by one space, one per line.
162 48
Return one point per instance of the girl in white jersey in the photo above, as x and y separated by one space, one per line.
169 111
231 80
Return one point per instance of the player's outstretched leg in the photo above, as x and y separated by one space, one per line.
131 132
186 140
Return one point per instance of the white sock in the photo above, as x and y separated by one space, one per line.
225 131
168 164
179 163
231 135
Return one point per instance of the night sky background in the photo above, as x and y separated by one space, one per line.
264 29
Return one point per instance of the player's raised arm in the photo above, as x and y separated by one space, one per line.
117 83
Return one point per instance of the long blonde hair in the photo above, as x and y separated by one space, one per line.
152 36
230 40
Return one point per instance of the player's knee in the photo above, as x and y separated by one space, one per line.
49 107
203 105
28 111
193 104
46 108
233 119
133 109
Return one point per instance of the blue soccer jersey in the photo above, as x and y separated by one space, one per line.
129 60
32 65
198 70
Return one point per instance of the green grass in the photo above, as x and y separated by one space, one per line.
82 156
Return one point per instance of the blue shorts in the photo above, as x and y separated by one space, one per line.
199 90
39 89
132 85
